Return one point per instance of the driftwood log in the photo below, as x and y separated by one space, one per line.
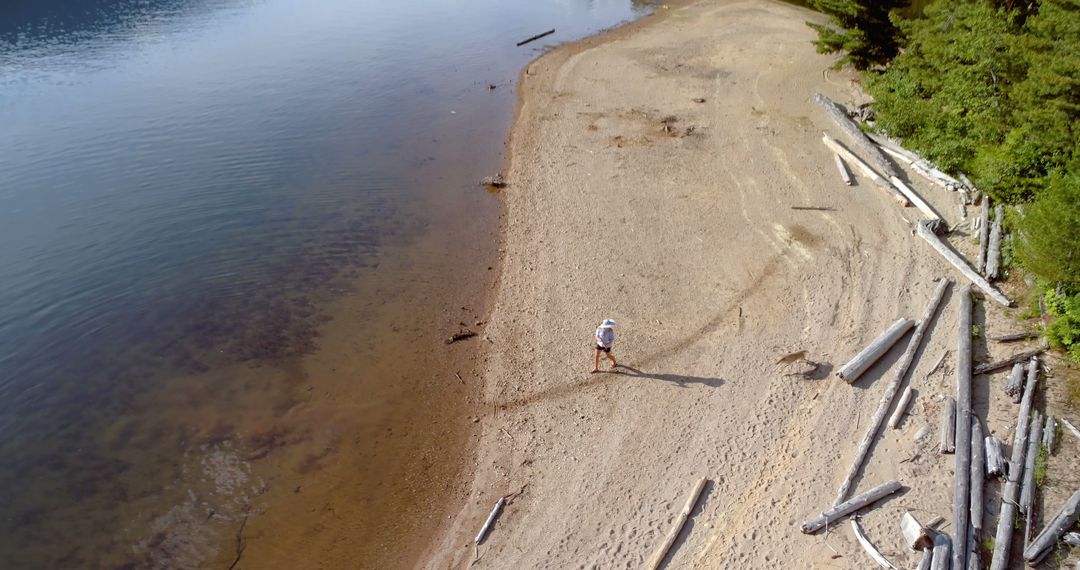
1049 434
889 395
480 536
536 37
1070 427
870 548
893 148
1063 521
978 475
917 536
926 560
901 407
942 547
984 233
914 198
995 457
843 169
948 427
1071 538
851 505
1003 536
867 171
855 135
952 257
993 251
680 521
962 473
1027 484
998 365
1016 336
1015 386
851 371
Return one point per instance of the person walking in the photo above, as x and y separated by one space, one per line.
605 339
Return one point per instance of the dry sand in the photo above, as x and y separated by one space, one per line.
629 200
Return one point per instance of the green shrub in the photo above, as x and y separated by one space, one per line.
861 30
1064 331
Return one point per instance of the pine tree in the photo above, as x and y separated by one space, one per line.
861 30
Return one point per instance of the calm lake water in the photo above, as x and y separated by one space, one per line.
221 224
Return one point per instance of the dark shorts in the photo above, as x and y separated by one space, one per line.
605 349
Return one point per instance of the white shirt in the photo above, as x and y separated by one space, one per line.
605 337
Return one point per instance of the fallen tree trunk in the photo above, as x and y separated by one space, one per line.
1007 516
869 547
890 391
948 427
962 473
843 169
867 171
1016 336
915 534
893 148
1027 485
1070 427
851 371
984 233
978 475
926 560
680 521
1015 386
851 505
914 198
993 251
995 457
942 557
901 407
855 135
1019 357
1050 434
958 262
1063 521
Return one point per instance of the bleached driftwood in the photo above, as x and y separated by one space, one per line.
851 371
962 473
855 135
1070 427
997 365
926 560
890 391
843 169
917 536
867 171
893 148
1063 521
995 457
851 505
978 475
480 536
1049 434
1011 493
1016 336
901 407
993 251
1015 386
948 427
680 521
942 547
869 547
1027 484
914 198
1071 538
958 262
983 225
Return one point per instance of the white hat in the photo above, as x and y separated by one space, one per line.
607 324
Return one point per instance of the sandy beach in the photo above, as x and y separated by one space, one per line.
654 171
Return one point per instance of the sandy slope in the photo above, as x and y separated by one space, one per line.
690 242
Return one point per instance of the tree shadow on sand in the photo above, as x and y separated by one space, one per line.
681 379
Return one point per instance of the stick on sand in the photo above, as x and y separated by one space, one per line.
661 554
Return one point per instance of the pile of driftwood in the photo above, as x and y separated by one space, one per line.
883 173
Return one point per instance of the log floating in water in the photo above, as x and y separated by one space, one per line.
1045 541
843 169
890 391
962 473
1019 357
948 427
851 505
915 534
536 37
958 262
901 407
855 135
867 171
978 475
1015 386
692 500
993 251
1003 536
942 557
869 547
984 233
995 457
851 371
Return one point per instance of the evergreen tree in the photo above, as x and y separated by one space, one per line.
861 30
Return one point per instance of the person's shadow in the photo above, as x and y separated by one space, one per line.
680 379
